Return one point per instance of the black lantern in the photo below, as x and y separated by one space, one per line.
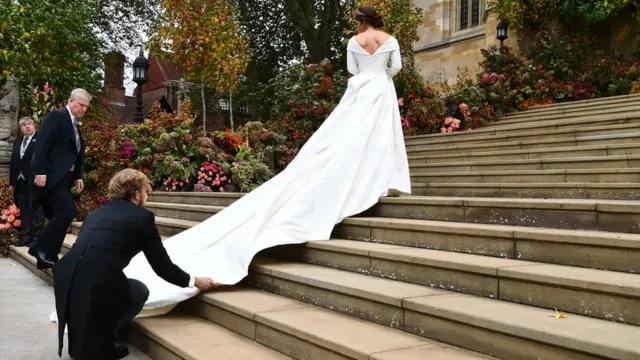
140 72
502 28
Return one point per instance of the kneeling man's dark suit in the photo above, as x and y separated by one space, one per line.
93 296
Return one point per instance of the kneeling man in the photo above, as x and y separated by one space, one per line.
94 298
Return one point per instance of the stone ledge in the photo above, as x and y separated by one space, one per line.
458 38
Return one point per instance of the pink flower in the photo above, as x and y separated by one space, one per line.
221 189
401 102
450 130
443 130
224 178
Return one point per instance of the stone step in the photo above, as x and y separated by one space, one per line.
531 154
584 214
607 295
610 107
383 301
177 336
581 104
596 293
597 175
618 115
290 327
502 329
497 164
542 142
194 198
304 331
619 125
581 248
585 190
524 118
183 211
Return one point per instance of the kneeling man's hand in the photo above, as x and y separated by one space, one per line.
40 180
204 283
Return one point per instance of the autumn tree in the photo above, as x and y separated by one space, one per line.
43 41
202 37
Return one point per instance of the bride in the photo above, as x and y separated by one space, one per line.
355 157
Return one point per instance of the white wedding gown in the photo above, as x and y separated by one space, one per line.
354 158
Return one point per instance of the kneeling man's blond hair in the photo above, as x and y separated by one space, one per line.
126 183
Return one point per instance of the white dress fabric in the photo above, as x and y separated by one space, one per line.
355 157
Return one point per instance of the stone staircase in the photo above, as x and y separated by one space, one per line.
520 242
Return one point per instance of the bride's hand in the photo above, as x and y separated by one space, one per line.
204 283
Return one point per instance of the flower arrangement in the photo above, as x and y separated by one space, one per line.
450 125
10 218
9 223
211 176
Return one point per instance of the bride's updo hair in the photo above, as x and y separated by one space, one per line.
369 15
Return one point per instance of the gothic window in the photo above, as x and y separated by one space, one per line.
470 13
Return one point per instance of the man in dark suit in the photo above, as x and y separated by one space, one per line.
20 179
56 166
94 298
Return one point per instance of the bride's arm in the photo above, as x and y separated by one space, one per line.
352 63
396 63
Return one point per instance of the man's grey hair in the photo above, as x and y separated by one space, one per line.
76 93
25 120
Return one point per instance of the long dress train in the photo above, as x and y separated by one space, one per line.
354 158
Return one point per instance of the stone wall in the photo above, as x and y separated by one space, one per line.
9 106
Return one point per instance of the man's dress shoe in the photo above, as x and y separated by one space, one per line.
121 352
43 262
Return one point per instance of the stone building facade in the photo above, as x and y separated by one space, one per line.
454 31
451 36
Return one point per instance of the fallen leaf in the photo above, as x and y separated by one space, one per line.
559 315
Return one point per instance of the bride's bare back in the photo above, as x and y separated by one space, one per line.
371 40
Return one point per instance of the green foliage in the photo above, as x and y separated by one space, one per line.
303 97
521 12
43 41
250 170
